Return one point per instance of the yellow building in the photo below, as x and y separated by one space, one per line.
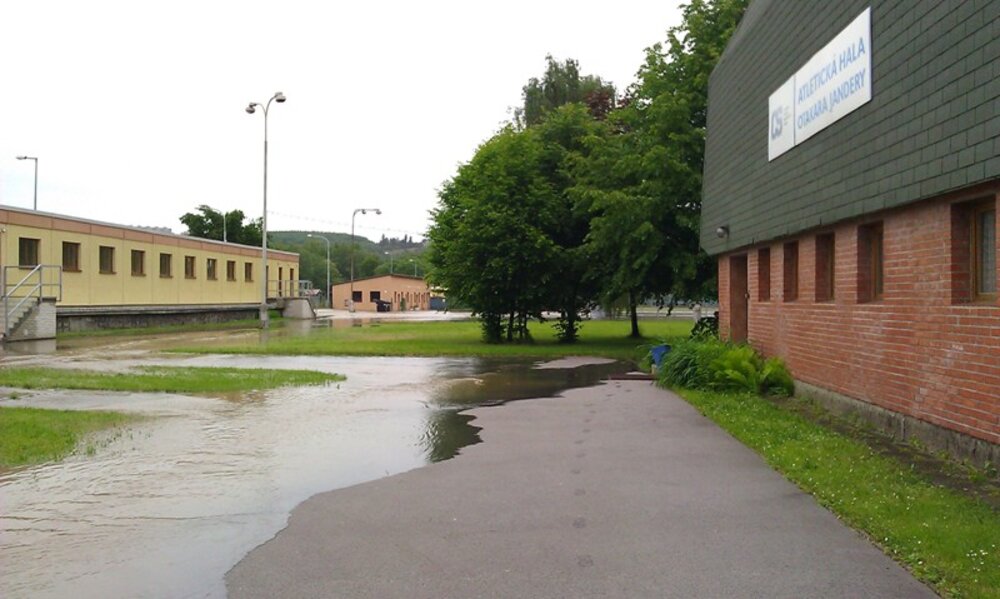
402 292
108 265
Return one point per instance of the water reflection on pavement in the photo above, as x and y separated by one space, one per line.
166 507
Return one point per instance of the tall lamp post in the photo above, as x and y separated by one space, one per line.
329 296
362 211
390 260
414 266
251 108
35 158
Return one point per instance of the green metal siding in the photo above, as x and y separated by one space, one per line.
932 126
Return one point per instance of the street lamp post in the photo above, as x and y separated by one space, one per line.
251 108
390 261
414 267
35 158
362 211
329 295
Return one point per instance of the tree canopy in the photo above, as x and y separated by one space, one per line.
585 199
208 223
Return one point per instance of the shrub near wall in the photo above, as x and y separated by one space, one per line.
713 365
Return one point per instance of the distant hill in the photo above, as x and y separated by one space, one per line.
300 238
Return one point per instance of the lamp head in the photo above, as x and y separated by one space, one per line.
22 157
279 97
309 234
377 211
251 108
722 232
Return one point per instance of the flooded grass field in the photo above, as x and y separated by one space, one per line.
166 507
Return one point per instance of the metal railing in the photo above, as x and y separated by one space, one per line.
289 288
30 285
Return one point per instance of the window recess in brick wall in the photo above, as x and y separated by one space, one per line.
871 260
974 252
825 267
764 274
791 271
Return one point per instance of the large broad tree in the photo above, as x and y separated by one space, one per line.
642 186
207 223
489 247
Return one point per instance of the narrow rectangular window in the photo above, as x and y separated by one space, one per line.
230 270
248 271
71 256
871 259
166 266
138 263
984 252
210 268
189 267
27 252
791 268
107 259
825 265
764 274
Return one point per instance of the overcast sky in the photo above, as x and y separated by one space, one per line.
135 109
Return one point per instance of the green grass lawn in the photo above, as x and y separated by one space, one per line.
162 379
944 537
597 338
31 436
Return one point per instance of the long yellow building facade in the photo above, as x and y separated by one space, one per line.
104 264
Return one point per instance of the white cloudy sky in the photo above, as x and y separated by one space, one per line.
135 108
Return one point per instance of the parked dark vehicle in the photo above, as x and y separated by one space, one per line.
382 306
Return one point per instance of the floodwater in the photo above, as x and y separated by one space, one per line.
166 506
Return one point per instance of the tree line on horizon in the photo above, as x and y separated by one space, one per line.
587 197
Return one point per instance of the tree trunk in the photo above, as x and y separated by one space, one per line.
510 327
635 315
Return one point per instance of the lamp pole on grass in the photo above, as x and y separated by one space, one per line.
251 108
362 211
329 294
35 159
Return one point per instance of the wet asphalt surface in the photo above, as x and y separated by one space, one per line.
618 490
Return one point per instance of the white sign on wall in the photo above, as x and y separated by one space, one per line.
835 82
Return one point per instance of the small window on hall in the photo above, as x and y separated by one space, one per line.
189 267
166 265
356 296
27 252
374 296
871 260
107 259
211 265
764 274
984 251
138 263
825 265
248 271
71 256
230 270
791 268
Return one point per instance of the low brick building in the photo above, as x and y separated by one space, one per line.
851 184
402 292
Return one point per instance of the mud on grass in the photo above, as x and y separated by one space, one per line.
168 379
944 537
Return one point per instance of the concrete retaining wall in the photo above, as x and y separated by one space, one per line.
119 317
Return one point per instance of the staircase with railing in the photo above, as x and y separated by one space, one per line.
24 291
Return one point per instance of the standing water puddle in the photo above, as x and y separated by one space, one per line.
166 507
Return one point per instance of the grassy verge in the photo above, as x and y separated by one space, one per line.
945 538
31 436
246 323
162 379
597 338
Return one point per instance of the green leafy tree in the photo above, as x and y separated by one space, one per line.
560 85
207 223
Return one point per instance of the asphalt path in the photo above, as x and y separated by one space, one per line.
619 490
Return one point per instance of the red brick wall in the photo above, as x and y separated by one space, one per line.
921 350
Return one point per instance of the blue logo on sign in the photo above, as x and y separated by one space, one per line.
777 123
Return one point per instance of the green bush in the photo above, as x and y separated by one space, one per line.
713 365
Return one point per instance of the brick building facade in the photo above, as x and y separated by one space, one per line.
865 254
